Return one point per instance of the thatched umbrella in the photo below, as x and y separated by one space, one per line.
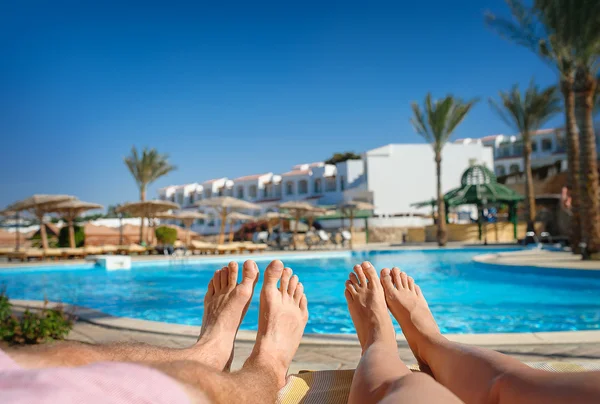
299 208
146 209
224 205
235 217
270 217
39 205
69 210
348 208
187 217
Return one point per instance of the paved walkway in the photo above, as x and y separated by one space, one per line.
313 355
539 258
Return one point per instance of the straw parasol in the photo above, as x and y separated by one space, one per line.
223 205
235 217
146 209
270 217
187 217
348 208
39 205
69 210
300 208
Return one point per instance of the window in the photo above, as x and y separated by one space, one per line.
533 146
277 191
330 184
303 187
500 171
518 148
180 199
514 168
289 188
342 183
504 149
546 145
267 190
220 192
208 193
240 192
172 198
191 198
318 186
252 191
561 143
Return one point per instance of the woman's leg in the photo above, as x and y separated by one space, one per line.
381 375
476 375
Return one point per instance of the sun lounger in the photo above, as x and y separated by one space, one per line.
254 247
53 253
202 247
109 249
230 248
93 250
132 249
333 386
73 253
6 250
26 255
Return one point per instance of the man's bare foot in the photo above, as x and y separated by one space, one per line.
366 303
282 318
409 307
225 305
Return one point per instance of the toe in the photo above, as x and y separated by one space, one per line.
211 289
232 270
417 290
285 279
404 280
354 279
273 273
293 285
217 280
299 292
411 283
396 277
351 288
249 273
386 280
348 295
362 279
224 277
304 303
370 273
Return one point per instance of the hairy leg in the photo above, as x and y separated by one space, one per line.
225 305
476 375
380 374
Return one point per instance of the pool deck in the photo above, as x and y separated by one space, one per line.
539 259
320 351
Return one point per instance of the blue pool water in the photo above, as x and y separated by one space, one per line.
465 297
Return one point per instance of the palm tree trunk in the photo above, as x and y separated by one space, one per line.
529 192
142 198
589 186
71 234
442 234
573 162
223 222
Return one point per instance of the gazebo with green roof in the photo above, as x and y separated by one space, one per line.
480 187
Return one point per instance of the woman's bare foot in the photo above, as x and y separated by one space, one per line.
366 303
282 318
409 307
225 305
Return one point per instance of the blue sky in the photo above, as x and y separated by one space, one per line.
233 88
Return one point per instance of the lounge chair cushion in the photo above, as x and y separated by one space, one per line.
333 386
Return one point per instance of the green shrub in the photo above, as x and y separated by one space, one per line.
33 327
166 235
63 236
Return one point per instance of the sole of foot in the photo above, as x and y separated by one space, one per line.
225 305
282 318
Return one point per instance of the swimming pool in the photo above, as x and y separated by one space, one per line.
465 297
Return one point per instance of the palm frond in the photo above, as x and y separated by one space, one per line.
438 119
147 167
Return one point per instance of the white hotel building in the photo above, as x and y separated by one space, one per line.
392 177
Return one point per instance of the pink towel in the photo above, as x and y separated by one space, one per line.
106 382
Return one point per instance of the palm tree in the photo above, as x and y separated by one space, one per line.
530 27
146 169
526 114
435 123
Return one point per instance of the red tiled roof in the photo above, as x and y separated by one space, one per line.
295 172
250 177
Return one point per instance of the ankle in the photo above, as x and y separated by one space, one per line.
268 365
